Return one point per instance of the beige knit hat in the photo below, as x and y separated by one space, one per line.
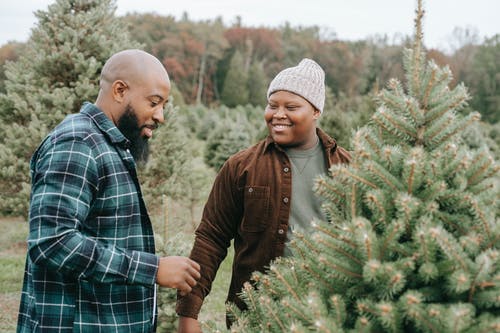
307 80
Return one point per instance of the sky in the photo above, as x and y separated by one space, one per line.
347 19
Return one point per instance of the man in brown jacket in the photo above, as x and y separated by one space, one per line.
251 199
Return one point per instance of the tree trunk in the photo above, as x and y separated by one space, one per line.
200 78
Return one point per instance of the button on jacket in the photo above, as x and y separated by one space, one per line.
90 265
250 203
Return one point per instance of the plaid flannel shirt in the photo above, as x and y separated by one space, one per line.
91 265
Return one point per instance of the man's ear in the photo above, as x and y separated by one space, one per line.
118 90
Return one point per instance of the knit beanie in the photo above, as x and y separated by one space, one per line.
307 80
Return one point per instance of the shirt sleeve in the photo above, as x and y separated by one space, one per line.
65 181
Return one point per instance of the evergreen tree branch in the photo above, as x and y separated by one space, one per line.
354 201
417 49
487 162
444 240
338 249
265 301
280 277
456 128
396 229
430 85
382 174
348 173
327 232
413 303
338 268
394 124
452 101
296 310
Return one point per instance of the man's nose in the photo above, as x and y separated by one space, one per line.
159 116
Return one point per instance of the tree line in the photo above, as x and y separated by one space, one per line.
212 63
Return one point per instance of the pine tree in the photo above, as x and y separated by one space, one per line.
257 85
168 168
412 243
178 245
485 78
344 115
227 138
234 91
58 70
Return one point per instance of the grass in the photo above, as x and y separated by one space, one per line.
214 308
13 234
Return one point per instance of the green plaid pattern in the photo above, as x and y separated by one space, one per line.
91 265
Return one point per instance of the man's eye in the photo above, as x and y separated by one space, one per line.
153 104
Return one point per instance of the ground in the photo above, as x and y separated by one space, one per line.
13 234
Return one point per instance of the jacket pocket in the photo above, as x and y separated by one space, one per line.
256 205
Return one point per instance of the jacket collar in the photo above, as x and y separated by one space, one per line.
104 124
327 142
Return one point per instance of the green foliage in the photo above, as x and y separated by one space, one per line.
213 310
486 81
483 135
235 129
12 259
176 245
8 52
257 85
235 91
226 139
167 171
411 244
58 70
343 115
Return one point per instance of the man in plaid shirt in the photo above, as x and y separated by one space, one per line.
91 265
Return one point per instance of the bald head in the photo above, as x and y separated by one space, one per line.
131 77
131 66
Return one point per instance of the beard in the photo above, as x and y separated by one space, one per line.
129 126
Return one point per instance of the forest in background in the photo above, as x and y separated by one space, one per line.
220 75
215 64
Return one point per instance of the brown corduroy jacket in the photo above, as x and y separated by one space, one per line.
250 203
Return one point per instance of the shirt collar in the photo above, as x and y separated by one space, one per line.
104 123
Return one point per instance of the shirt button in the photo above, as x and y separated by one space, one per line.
281 231
286 169
250 190
128 151
285 200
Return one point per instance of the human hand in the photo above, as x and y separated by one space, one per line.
178 272
188 325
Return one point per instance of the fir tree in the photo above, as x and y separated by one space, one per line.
234 91
58 70
486 80
178 245
257 85
227 138
412 243
168 168
344 115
